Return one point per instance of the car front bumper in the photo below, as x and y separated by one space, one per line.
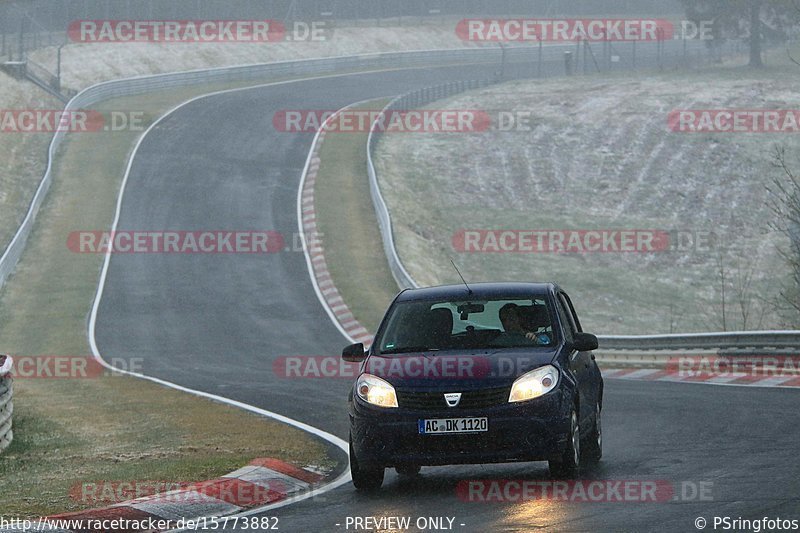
535 430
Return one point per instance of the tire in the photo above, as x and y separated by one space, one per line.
408 470
592 448
365 478
569 462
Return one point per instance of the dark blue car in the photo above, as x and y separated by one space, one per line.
486 373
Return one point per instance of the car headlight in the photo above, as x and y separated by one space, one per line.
534 384
376 391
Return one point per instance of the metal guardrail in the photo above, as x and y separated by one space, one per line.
410 100
750 340
6 405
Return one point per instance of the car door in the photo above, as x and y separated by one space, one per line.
579 362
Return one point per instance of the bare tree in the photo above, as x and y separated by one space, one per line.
673 322
722 282
784 202
740 306
749 19
742 287
743 295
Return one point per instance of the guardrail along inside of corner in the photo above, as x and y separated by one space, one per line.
412 100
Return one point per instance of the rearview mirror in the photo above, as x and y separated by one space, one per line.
466 309
354 353
585 342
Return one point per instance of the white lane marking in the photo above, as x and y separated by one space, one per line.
177 506
270 479
726 379
644 372
774 381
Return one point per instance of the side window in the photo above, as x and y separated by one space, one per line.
564 318
572 312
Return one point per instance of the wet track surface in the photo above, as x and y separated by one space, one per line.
217 322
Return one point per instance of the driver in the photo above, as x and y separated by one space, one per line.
514 332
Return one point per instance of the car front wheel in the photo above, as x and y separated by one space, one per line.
593 447
365 477
568 463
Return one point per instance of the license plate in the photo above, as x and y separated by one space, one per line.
444 426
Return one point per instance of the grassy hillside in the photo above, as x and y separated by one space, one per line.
599 155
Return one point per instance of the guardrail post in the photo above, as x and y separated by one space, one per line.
685 52
568 63
585 57
58 70
6 405
539 61
21 50
503 63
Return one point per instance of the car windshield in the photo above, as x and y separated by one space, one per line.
424 326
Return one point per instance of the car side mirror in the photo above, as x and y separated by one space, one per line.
585 342
354 353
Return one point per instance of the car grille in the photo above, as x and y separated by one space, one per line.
469 399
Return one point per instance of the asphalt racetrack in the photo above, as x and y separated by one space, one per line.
216 323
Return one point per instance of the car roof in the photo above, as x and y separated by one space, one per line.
480 291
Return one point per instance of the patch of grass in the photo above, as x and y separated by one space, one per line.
114 428
347 221
23 156
122 429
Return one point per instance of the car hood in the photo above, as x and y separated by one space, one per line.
466 369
